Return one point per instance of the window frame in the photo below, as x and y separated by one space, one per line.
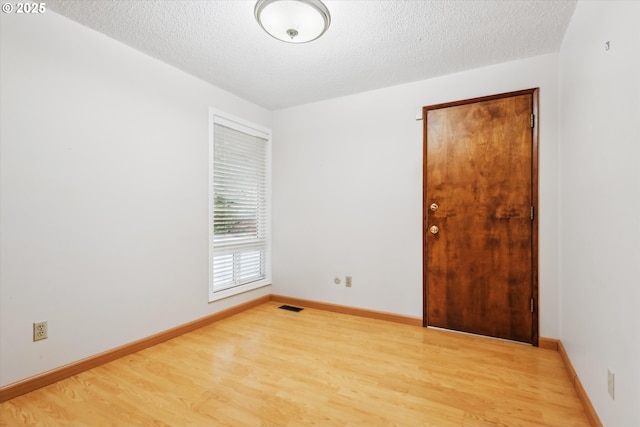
241 125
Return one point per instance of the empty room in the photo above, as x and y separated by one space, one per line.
329 213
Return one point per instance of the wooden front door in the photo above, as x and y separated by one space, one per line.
480 227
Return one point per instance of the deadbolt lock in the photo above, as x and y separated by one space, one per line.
434 207
434 229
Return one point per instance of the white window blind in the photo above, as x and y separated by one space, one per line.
240 237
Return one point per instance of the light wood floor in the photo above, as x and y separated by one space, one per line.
270 367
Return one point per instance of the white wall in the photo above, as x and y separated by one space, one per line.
348 190
600 204
103 193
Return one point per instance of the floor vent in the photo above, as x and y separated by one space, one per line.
290 308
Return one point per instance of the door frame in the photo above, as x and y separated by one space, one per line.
534 92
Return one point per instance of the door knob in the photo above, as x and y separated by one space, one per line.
434 207
434 229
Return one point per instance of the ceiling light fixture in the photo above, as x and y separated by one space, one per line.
293 21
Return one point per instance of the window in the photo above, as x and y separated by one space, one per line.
239 206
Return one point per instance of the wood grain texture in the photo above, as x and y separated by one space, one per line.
12 390
372 314
594 419
479 169
272 367
535 158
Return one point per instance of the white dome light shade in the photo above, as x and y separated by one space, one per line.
293 21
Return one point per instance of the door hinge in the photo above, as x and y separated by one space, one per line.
532 305
532 213
533 120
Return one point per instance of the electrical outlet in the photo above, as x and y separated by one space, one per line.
347 281
40 331
611 383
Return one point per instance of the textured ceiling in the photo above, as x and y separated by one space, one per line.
370 44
